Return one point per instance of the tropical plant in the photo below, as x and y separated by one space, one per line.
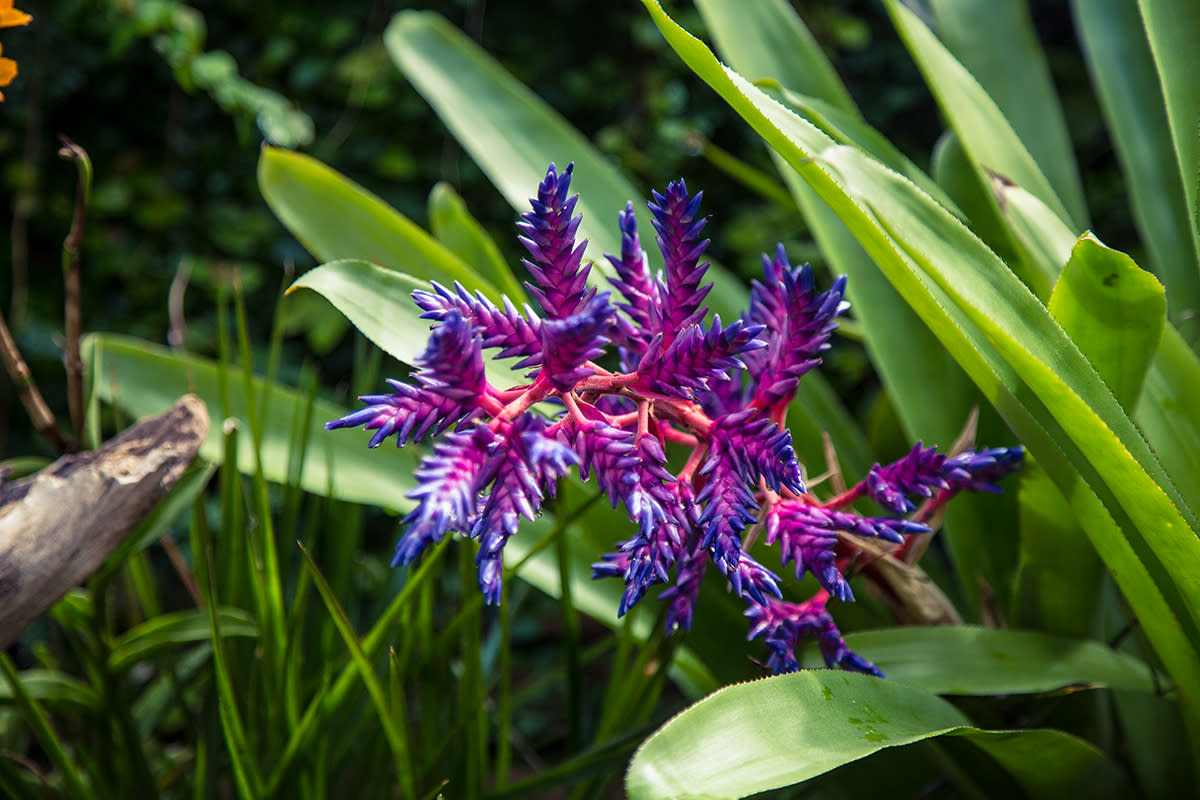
1071 661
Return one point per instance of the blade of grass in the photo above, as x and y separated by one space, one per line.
396 735
43 731
245 773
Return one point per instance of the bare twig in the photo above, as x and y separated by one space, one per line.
31 398
71 247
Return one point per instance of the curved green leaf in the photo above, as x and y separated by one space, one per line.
335 218
167 631
988 38
965 659
461 233
1173 28
377 301
55 689
513 135
787 53
986 134
846 128
1127 83
144 379
779 731
1114 311
1017 355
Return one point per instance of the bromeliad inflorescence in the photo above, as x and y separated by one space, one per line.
718 391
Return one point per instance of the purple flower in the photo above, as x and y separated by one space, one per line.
918 473
569 343
674 219
783 624
636 284
716 394
549 236
448 483
516 334
523 467
978 470
807 535
696 357
451 374
798 322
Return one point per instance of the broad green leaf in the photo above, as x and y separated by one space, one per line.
378 302
788 52
955 173
846 128
972 660
779 731
1173 29
145 379
1123 69
1169 412
986 134
1059 577
1044 240
167 631
1017 355
988 38
513 135
335 218
452 224
1114 311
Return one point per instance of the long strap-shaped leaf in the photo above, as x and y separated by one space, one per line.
775 732
985 133
1173 28
1016 353
1127 84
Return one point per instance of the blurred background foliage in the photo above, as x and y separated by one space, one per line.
172 102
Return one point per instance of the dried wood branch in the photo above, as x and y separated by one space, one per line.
58 526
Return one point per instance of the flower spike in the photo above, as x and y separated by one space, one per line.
716 394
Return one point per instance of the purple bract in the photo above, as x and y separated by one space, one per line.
712 397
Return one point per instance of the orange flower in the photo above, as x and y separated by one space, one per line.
8 71
11 17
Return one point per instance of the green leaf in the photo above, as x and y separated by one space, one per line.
986 134
988 38
452 224
513 135
395 732
1044 241
54 689
779 731
1123 70
378 302
1173 29
1169 412
1114 311
167 631
335 218
972 660
846 128
788 52
145 379
1017 355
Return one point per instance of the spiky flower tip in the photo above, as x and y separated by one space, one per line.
719 393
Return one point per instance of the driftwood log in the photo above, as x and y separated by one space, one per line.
58 526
